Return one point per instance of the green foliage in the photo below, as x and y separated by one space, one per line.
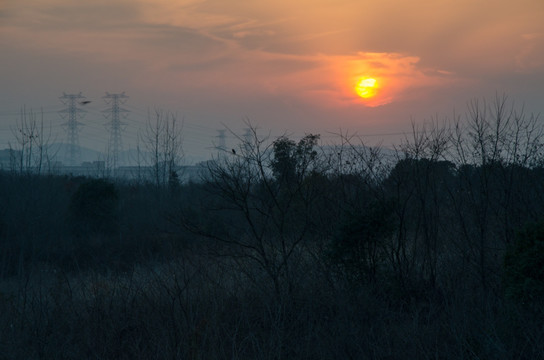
360 246
94 208
524 266
291 160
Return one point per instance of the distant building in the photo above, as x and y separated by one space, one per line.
87 168
186 173
11 160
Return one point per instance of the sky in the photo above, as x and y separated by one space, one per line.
286 66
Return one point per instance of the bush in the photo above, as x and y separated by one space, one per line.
359 247
94 208
524 266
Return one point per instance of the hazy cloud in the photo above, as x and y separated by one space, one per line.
306 55
531 55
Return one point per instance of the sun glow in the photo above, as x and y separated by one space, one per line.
366 87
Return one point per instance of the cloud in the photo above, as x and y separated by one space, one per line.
63 15
270 50
531 56
311 50
398 78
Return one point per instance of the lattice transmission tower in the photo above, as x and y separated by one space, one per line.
247 138
222 143
115 125
248 135
71 114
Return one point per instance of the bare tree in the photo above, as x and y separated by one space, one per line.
162 140
458 187
32 152
264 190
493 145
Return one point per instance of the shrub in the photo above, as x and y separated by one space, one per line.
94 208
359 247
524 266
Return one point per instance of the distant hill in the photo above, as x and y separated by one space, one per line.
61 151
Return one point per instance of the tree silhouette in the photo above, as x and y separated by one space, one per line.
292 161
524 266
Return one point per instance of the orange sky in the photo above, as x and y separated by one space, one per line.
286 65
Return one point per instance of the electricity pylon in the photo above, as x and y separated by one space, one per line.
248 135
71 114
115 126
222 145
247 142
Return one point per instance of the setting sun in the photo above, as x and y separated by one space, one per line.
366 88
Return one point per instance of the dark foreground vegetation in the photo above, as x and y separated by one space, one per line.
289 250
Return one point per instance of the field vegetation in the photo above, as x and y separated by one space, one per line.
289 249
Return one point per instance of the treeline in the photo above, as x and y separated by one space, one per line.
290 249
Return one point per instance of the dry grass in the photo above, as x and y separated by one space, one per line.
198 307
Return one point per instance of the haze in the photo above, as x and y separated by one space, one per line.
286 66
